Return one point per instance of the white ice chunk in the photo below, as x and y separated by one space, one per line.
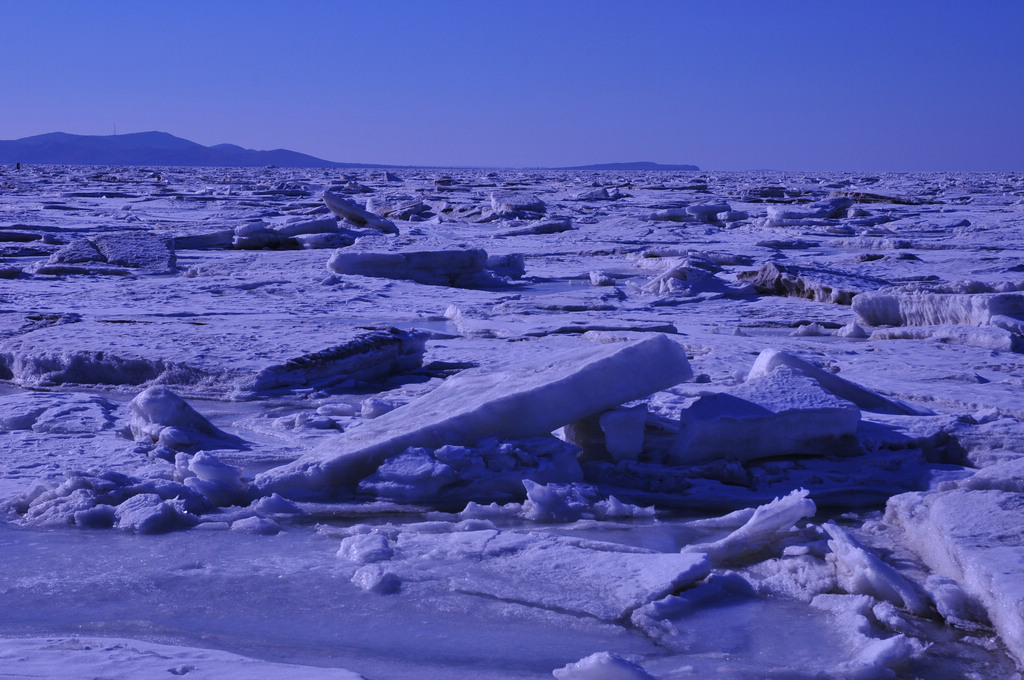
216 480
147 513
459 268
792 215
624 431
160 415
764 530
780 413
617 434
260 526
954 605
987 337
557 502
56 413
505 202
374 579
852 330
1005 310
707 211
516 402
353 214
771 359
210 358
365 548
602 666
686 277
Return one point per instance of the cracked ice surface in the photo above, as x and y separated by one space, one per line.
507 424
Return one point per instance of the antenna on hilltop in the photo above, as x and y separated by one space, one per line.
115 129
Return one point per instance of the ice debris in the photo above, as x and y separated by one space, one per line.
859 571
488 471
110 499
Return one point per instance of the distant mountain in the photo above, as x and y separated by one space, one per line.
161 148
620 167
150 148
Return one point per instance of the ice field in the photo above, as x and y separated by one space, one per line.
425 424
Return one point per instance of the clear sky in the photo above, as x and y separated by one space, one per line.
727 85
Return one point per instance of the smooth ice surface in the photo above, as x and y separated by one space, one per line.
479 480
73 658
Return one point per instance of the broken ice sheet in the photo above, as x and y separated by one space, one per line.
603 580
246 295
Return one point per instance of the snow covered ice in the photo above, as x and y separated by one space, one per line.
573 424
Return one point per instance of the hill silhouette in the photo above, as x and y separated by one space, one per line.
150 148
164 149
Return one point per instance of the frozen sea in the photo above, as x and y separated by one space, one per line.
422 424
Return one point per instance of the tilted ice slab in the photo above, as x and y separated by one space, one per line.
782 413
355 215
972 534
217 356
518 401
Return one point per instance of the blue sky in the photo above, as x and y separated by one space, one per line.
903 86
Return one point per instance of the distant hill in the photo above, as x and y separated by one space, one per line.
620 167
150 148
161 148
